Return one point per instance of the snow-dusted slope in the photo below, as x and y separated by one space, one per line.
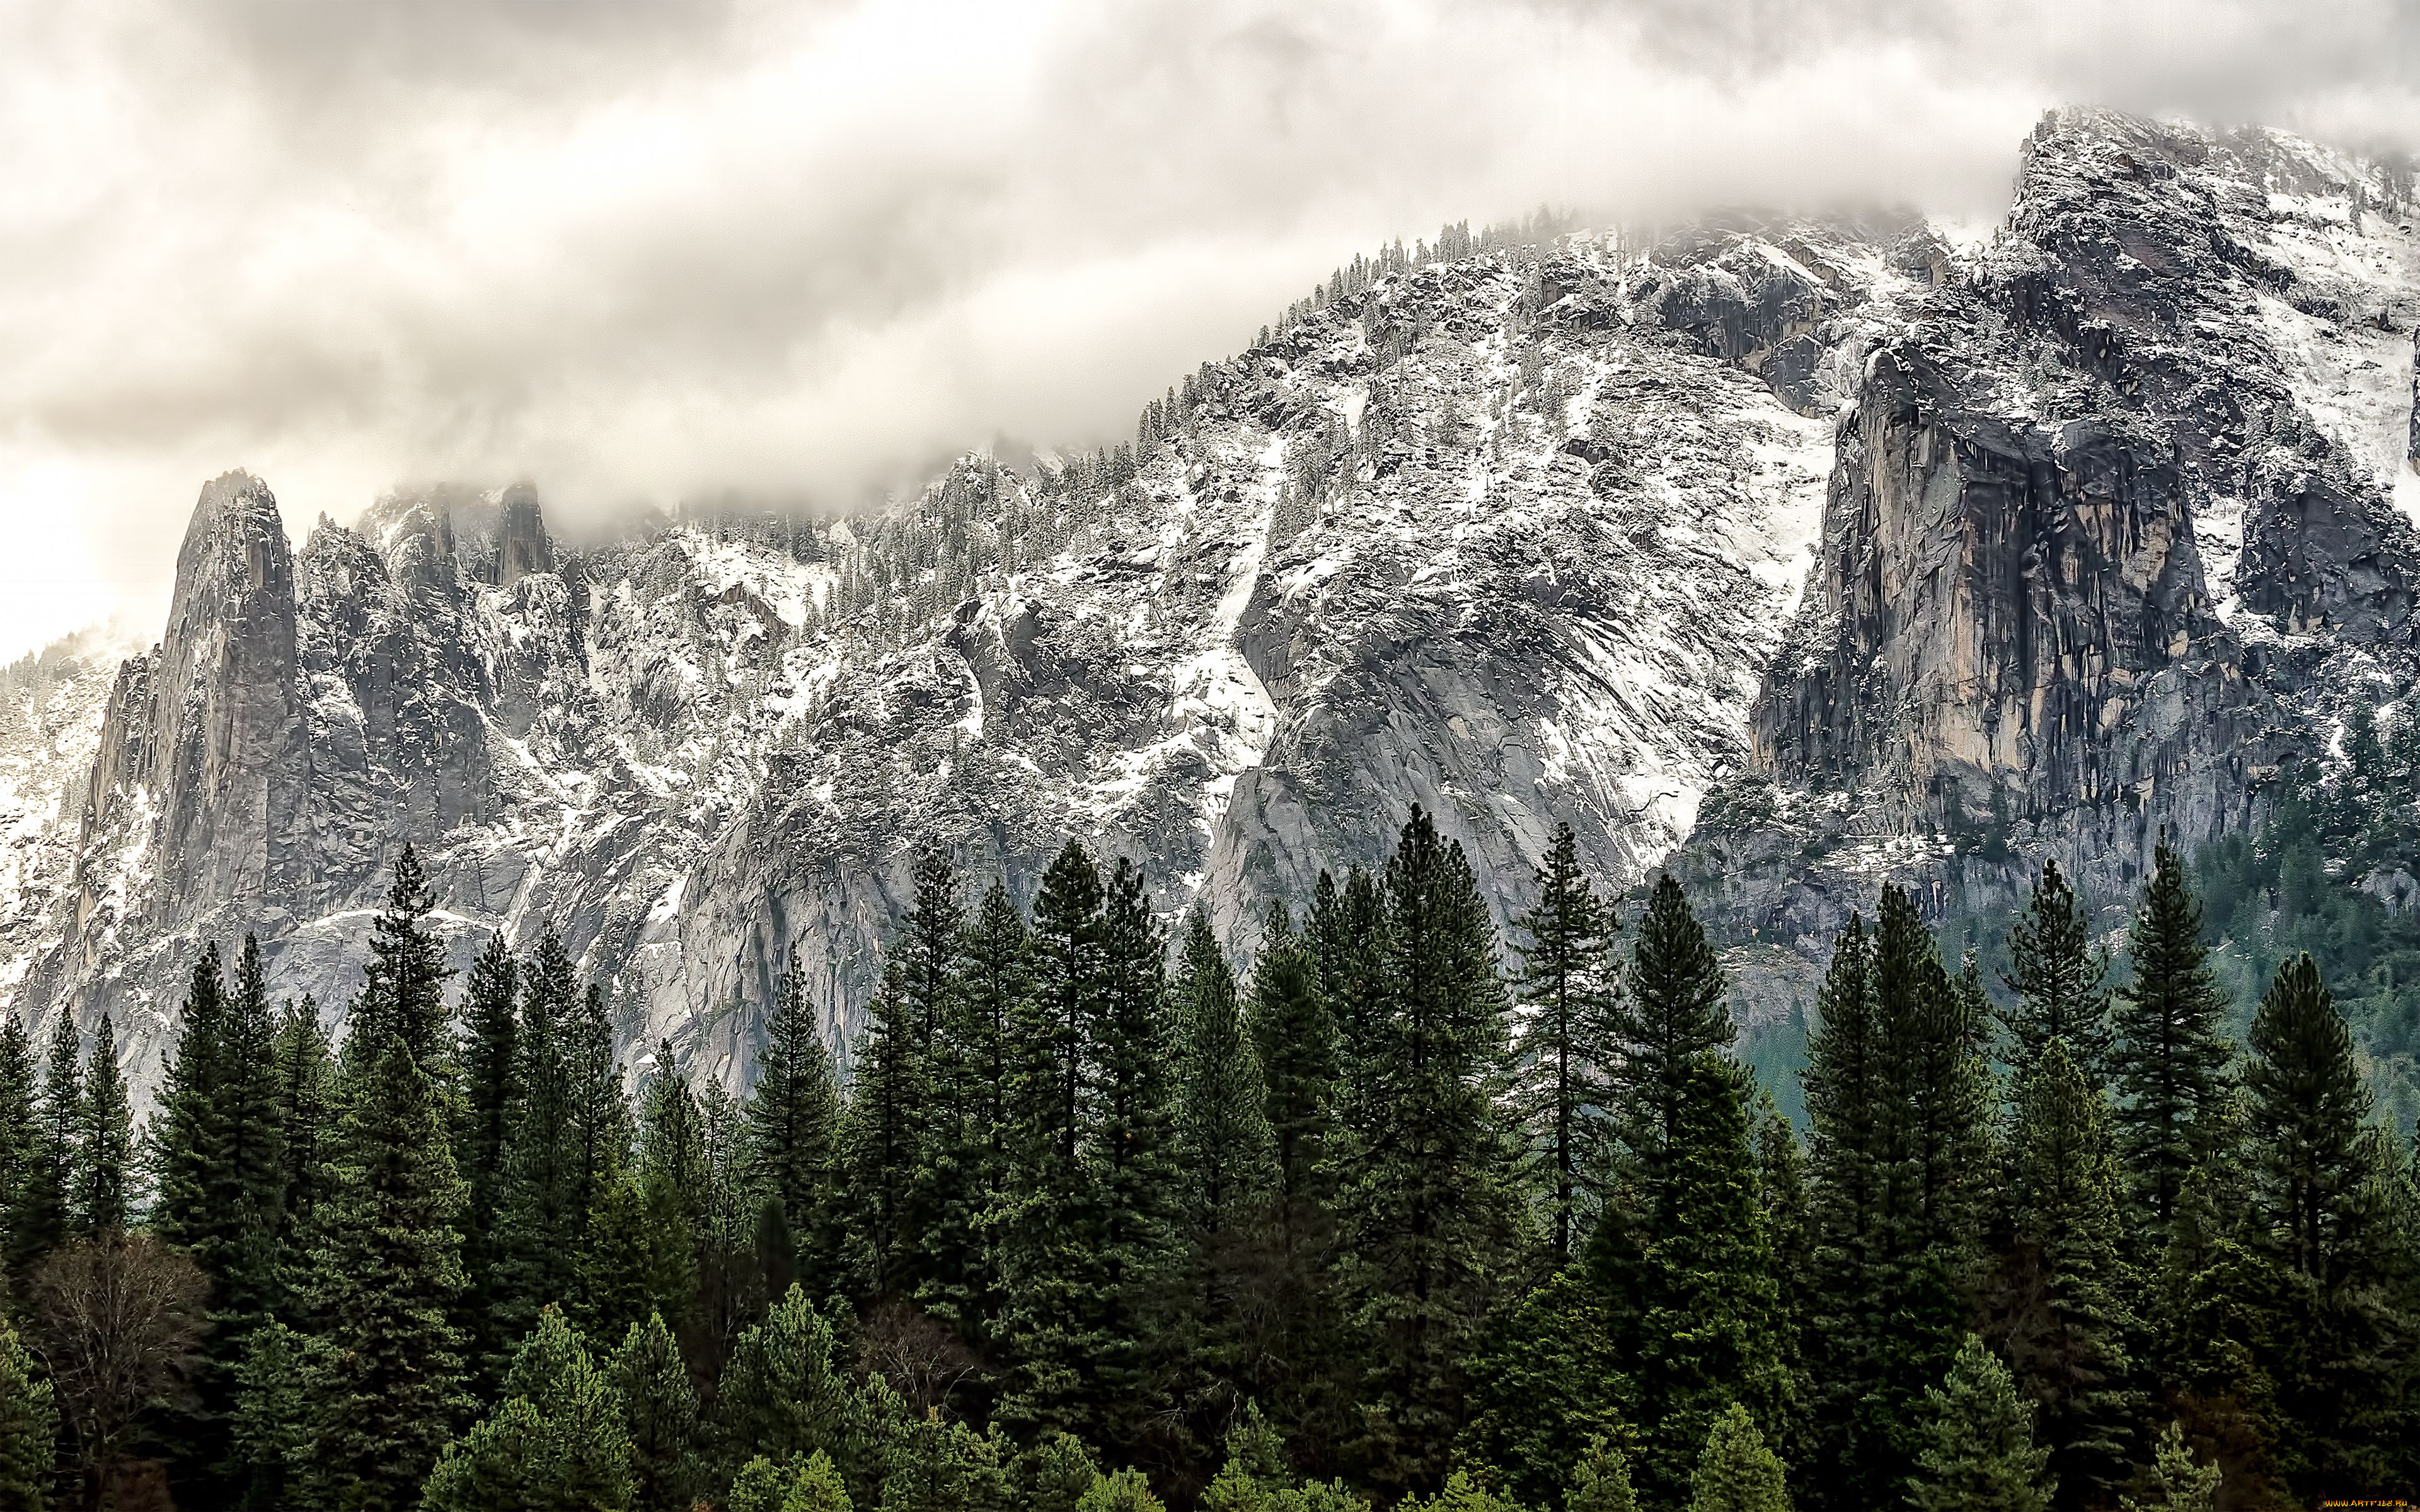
1837 550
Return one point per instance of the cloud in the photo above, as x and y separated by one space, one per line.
646 249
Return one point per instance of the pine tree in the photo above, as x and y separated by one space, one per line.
617 1260
659 1415
2057 975
1898 1100
1735 1472
405 991
931 1465
675 1177
927 953
2323 1227
2170 1056
1430 1210
880 1134
2067 1337
305 1094
186 1136
20 1124
968 1152
1547 1385
1346 931
807 1482
491 1106
1565 1046
1601 1480
1789 1231
600 1133
1050 1247
1225 1153
544 1213
29 1430
1135 1092
1294 1036
1707 1336
217 1154
384 1280
1978 1452
556 1440
2180 1483
104 1140
1673 1014
791 1132
45 1205
271 1433
785 1394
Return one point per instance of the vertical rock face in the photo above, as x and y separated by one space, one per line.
2007 622
226 745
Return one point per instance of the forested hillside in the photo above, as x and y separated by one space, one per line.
1410 1216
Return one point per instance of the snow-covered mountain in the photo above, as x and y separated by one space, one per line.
1881 543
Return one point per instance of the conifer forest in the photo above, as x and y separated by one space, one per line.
1091 1220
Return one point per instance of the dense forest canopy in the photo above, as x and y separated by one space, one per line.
1406 1215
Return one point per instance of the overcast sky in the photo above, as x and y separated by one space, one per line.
642 250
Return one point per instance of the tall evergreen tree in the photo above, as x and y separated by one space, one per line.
968 1159
675 1178
1977 1452
2057 976
491 1107
881 1135
1225 1153
2169 1060
104 1140
385 1284
2069 1323
1429 1207
1707 1332
305 1093
659 1413
1789 1231
1049 1248
788 1393
791 1130
1294 1036
1673 1014
1346 930
543 1210
598 1123
384 1280
2323 1225
927 953
1565 1047
20 1124
1134 1096
186 1136
45 1205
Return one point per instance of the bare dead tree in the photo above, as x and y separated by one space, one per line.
922 1358
119 1317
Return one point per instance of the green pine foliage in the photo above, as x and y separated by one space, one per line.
557 1441
790 1135
20 1124
1430 1209
786 1393
659 1416
2324 1223
1567 1045
2170 1054
1601 1481
1225 1153
2068 1325
1391 1227
303 1087
29 1430
1736 1472
1978 1451
104 1141
44 1206
2058 978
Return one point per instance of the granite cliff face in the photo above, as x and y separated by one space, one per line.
1820 551
2111 537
